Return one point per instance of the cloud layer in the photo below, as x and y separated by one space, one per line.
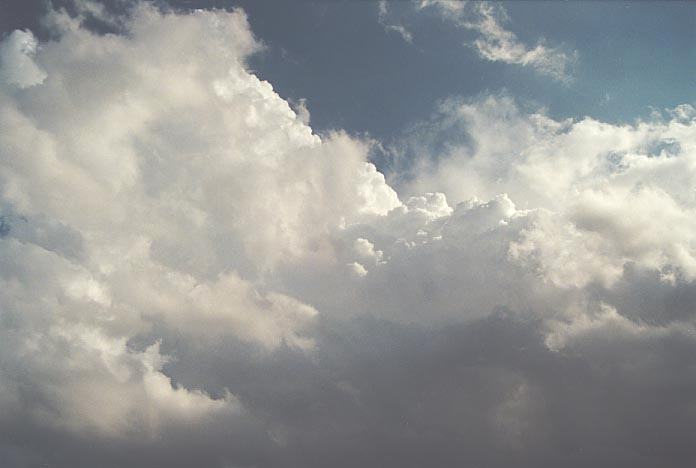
189 276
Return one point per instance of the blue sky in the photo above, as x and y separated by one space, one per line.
355 75
358 76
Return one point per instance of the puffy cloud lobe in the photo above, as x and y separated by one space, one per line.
601 196
16 60
69 346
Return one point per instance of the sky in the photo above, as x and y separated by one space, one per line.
376 234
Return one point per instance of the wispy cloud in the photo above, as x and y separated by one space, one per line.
390 26
498 44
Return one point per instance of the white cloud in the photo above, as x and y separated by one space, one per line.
357 270
17 66
68 344
149 180
497 44
601 196
366 250
389 26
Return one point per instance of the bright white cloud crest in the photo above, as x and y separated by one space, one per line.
150 184
600 195
16 54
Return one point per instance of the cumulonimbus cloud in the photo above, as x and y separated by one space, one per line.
189 275
148 178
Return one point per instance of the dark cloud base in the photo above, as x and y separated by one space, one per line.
487 393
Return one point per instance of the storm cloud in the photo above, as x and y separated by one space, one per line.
190 276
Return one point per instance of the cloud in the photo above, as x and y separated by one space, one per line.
189 276
383 18
16 60
599 196
497 44
148 180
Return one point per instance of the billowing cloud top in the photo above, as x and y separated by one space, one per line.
189 276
